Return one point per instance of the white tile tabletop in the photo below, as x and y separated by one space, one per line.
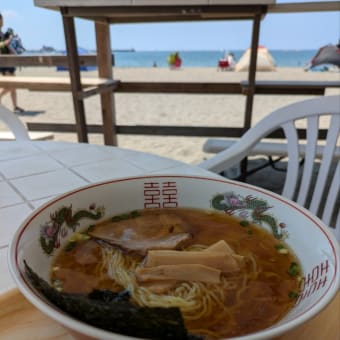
31 173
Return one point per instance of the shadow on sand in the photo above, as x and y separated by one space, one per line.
29 113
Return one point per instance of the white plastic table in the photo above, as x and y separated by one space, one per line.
32 173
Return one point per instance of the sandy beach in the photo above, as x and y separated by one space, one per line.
162 109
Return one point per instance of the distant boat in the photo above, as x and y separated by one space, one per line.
124 50
47 49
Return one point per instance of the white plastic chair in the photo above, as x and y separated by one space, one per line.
14 124
299 187
18 129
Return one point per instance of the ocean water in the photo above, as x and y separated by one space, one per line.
282 58
131 58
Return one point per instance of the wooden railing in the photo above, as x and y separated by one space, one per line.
281 88
92 86
45 60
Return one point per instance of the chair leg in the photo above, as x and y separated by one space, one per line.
244 173
272 162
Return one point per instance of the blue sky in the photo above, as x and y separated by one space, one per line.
38 27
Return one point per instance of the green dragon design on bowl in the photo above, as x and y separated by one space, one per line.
249 209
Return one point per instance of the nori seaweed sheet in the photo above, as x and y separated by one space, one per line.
114 312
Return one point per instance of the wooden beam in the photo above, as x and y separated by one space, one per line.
293 7
304 7
107 87
103 42
165 19
188 131
156 130
53 83
92 86
252 72
72 54
151 130
44 60
251 79
290 87
116 14
183 87
147 3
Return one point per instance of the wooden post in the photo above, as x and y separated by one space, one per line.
74 70
252 71
104 61
251 83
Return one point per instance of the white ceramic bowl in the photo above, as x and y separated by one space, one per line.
312 242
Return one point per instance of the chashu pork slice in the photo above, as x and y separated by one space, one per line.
143 233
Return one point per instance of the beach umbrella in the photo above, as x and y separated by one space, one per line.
265 61
329 54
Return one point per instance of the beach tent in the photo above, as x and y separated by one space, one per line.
329 54
265 62
81 51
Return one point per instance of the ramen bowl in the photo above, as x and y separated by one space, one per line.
48 230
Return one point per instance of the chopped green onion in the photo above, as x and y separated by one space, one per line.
278 246
294 269
244 223
299 279
293 295
70 245
132 214
79 237
91 227
281 248
135 213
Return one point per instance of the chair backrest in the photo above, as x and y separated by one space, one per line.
14 124
321 198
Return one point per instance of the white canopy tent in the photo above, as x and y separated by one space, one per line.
265 61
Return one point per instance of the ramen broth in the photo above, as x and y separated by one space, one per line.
250 299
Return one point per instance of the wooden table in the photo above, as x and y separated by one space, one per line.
19 320
106 12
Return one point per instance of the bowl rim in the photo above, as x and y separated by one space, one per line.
73 324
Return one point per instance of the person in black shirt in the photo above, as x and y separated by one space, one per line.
7 71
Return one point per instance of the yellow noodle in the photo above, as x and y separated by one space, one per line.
251 258
271 275
196 300
196 247
242 289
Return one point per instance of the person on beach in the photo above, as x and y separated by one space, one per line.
5 42
227 63
174 61
231 61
